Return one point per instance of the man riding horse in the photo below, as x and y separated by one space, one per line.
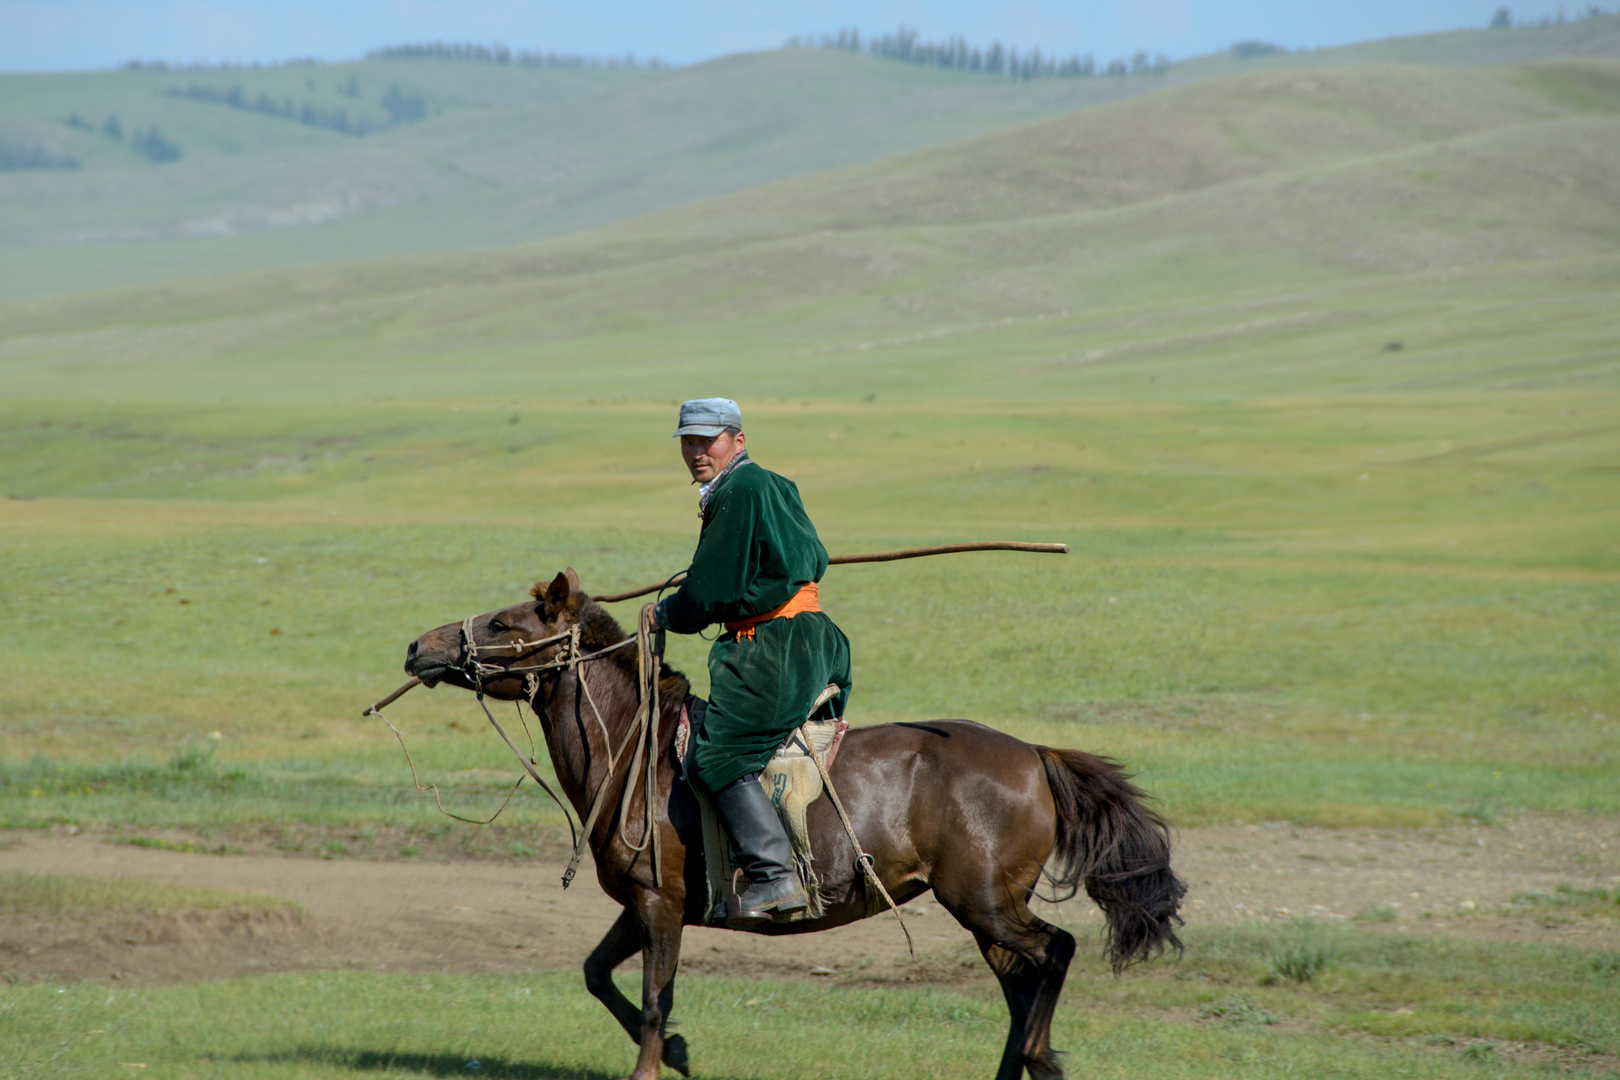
756 569
974 814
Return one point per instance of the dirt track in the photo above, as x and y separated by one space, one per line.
487 914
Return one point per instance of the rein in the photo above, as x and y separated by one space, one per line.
643 730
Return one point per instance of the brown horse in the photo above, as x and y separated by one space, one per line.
950 805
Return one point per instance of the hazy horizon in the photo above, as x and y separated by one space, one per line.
51 35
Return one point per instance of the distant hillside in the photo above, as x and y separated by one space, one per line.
139 175
1591 37
1208 210
1529 151
307 164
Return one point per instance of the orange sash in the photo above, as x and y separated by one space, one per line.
806 599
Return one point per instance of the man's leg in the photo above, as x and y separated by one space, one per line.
760 690
764 852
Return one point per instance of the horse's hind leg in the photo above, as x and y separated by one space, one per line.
623 941
1030 958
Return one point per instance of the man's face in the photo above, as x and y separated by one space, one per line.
706 456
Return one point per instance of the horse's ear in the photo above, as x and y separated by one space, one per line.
557 591
573 579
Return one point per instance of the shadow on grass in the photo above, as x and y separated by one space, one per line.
429 1064
409 1064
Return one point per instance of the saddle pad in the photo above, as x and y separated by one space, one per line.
792 781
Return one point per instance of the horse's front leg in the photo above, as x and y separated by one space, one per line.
658 918
623 941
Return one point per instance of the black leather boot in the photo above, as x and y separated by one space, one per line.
764 854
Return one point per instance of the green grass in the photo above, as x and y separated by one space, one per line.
1378 913
1569 900
54 896
294 805
1238 1011
1182 654
187 847
1302 962
1390 1007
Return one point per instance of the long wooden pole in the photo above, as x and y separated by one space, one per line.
880 556
840 560
395 696
951 549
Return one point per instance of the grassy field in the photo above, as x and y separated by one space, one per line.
1319 382
1261 1001
54 896
506 154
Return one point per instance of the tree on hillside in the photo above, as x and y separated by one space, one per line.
1502 20
151 145
404 106
24 156
309 115
957 54
1248 50
112 128
995 61
500 54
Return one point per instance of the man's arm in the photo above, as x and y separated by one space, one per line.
722 567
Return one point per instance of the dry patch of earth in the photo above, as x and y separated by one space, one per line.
482 914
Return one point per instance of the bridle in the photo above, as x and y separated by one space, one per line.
644 730
476 670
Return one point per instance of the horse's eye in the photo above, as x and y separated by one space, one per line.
498 627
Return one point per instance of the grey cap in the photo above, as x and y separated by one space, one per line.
708 416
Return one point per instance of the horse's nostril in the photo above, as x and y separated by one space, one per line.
410 652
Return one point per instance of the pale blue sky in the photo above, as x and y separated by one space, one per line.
38 35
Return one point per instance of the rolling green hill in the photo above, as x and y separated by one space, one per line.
503 154
1288 177
1585 37
1316 371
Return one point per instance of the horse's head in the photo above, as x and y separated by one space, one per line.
488 651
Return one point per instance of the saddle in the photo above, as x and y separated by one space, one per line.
793 782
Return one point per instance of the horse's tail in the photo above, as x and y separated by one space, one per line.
1109 840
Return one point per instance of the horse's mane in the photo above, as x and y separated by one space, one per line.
598 630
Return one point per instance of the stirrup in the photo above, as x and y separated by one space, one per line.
761 903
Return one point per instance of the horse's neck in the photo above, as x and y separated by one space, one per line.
574 736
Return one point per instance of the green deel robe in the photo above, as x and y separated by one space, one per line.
756 549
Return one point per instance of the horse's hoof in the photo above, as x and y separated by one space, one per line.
675 1055
1047 1067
